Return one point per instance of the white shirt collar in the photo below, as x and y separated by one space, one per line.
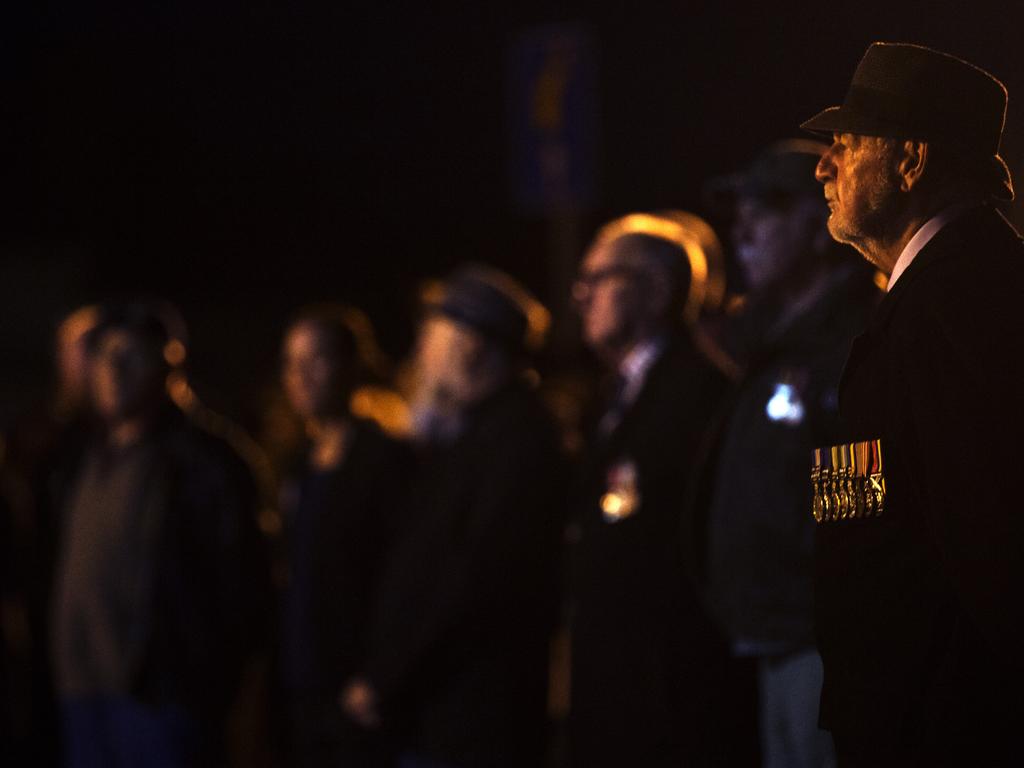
922 237
633 370
636 364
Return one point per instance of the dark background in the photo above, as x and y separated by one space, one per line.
242 159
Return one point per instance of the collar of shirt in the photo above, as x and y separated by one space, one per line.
636 364
922 237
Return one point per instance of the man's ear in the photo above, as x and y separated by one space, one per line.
912 165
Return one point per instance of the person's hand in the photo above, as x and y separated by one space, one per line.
359 701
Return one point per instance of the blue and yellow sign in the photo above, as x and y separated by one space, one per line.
552 73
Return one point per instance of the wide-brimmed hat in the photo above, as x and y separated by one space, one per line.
909 91
780 172
495 305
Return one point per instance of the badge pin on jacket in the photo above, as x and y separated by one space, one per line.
622 498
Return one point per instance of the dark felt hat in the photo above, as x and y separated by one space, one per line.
909 91
783 171
493 304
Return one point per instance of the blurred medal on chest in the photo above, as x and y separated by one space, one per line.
621 498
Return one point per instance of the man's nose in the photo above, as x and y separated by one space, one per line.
825 170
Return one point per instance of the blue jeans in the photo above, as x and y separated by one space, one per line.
790 690
111 731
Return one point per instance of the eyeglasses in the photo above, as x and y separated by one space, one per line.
585 282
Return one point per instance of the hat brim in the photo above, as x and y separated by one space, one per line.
1002 188
846 120
824 123
840 120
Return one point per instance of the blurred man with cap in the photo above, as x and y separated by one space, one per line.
154 567
921 549
807 298
646 658
457 657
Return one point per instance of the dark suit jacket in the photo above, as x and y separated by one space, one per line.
459 644
645 655
919 611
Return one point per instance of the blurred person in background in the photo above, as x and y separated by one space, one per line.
67 407
378 396
57 426
6 655
50 436
342 503
807 297
153 564
647 664
73 360
458 658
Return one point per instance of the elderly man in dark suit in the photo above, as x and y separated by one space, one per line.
646 659
921 548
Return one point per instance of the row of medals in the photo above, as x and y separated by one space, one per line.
840 495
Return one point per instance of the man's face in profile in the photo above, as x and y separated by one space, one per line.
310 374
770 238
861 188
607 298
446 355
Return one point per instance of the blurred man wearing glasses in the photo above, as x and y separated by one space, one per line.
645 656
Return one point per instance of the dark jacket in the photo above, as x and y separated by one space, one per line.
339 525
210 581
761 539
645 655
459 649
920 610
361 507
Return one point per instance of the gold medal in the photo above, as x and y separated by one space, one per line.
848 481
